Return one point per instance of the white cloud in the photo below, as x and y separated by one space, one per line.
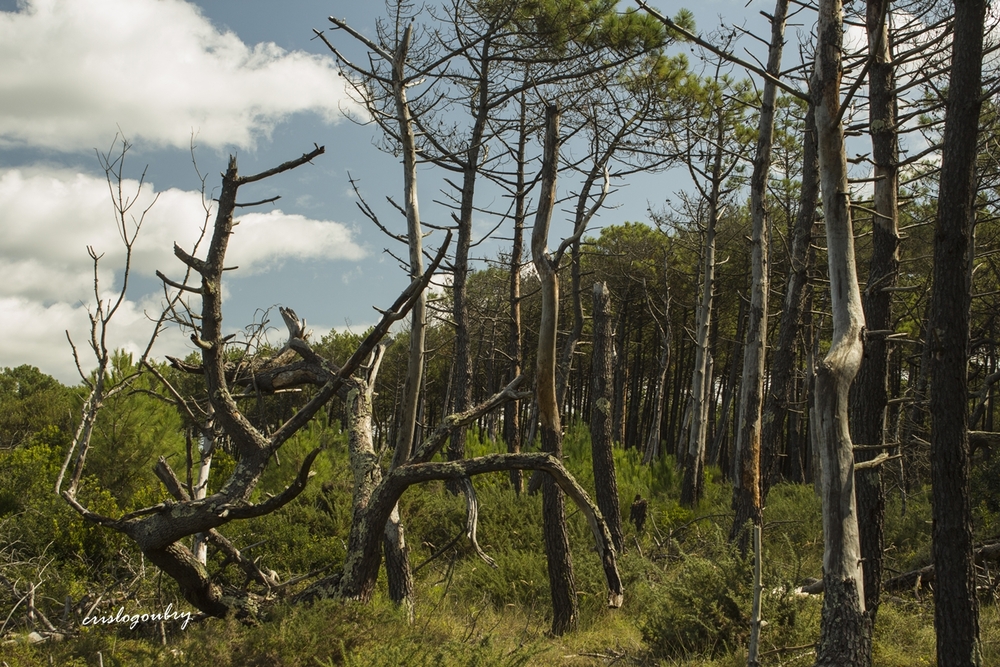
156 68
264 239
35 334
48 217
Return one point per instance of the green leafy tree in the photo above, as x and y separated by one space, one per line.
31 401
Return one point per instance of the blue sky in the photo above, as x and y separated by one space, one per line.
242 77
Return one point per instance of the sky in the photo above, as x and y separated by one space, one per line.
226 77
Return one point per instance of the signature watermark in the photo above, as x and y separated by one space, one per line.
132 620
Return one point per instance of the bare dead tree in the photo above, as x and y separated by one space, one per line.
159 530
100 384
845 638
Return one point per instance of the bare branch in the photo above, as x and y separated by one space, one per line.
285 166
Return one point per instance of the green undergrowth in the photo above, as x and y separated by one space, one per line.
688 593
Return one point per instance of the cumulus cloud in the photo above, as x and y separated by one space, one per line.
48 217
265 239
156 68
35 334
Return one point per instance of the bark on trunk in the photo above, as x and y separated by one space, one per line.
206 447
701 379
655 439
956 609
561 583
511 421
746 476
715 453
845 634
779 393
414 235
869 394
605 480
397 562
359 574
462 378
192 578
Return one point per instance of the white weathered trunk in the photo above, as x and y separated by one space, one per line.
845 633
367 474
414 235
701 376
206 447
692 457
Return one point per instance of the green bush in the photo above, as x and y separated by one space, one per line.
704 610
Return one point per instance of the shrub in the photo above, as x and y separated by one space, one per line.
704 610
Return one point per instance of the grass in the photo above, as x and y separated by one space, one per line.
687 593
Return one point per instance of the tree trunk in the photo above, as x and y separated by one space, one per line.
358 581
206 447
732 380
511 411
783 357
622 331
605 480
869 394
397 563
397 560
563 588
583 216
845 634
462 374
956 610
746 476
659 400
701 378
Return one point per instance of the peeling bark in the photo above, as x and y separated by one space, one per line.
869 393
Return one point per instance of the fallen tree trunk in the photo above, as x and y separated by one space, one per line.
915 579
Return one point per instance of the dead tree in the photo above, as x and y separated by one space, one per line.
701 393
160 530
845 637
869 393
713 155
